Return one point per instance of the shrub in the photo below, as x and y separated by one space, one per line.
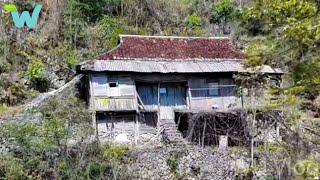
12 91
36 76
15 171
94 170
223 11
173 163
307 169
71 58
194 20
114 152
3 108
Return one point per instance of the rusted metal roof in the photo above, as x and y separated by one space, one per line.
173 48
168 54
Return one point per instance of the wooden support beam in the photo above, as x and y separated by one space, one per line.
189 98
136 131
158 123
95 124
223 143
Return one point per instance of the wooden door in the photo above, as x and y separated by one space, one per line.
173 94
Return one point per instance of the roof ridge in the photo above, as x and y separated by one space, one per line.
175 37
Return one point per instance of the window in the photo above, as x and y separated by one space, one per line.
99 85
113 84
213 88
163 90
113 89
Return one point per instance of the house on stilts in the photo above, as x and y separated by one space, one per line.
137 89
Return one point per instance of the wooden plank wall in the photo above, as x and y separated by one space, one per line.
200 100
106 98
124 96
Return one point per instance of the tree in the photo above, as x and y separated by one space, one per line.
286 34
223 12
288 37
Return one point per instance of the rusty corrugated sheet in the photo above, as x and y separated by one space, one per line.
172 48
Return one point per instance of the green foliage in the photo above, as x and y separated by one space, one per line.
223 11
35 70
32 149
284 33
194 23
269 148
236 149
71 57
3 108
248 173
194 20
10 7
69 109
307 169
308 76
4 65
15 171
94 170
95 9
76 21
36 76
42 150
289 39
12 90
113 152
173 162
111 28
83 29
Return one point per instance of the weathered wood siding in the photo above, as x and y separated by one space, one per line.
119 92
201 99
149 95
171 94
112 93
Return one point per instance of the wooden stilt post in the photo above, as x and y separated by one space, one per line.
158 123
94 124
223 143
137 133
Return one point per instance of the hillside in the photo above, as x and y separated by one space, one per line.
69 32
56 140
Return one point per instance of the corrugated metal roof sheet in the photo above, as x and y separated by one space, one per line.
164 66
145 66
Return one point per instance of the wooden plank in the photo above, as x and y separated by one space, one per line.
120 104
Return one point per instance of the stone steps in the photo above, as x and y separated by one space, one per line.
171 133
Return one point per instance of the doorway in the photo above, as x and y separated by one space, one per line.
172 94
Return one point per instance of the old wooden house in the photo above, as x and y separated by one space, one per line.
139 86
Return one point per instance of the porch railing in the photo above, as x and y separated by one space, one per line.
215 97
215 91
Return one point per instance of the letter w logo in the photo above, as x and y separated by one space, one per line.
20 20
